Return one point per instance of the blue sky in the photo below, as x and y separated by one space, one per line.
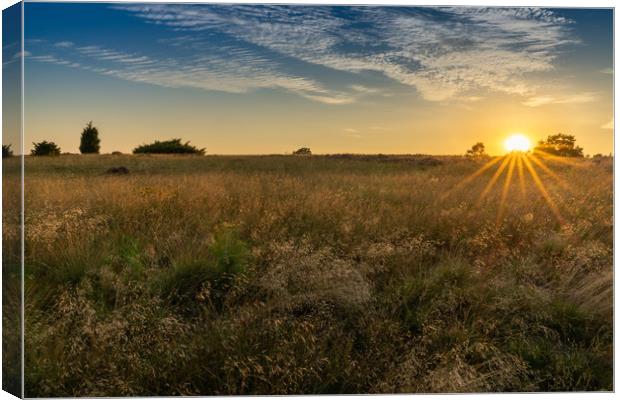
261 78
11 76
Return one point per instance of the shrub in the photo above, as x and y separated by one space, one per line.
6 151
89 143
476 151
304 151
559 145
172 146
45 148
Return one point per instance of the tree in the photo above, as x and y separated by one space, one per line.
45 148
172 146
476 151
302 151
559 145
89 142
6 151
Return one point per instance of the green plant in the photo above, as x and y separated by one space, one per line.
172 146
229 252
89 141
45 148
192 282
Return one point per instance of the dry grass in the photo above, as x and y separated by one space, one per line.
275 274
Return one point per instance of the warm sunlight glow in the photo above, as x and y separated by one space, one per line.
517 142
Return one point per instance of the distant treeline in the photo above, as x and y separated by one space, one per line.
556 145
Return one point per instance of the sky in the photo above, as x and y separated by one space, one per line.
11 76
267 79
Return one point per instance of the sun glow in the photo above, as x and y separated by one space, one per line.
517 142
523 163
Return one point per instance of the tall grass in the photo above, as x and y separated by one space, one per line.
282 275
11 277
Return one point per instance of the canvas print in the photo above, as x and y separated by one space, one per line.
236 199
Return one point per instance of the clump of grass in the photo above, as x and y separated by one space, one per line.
228 252
134 349
188 283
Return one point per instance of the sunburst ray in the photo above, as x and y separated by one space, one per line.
563 184
494 179
506 188
473 176
561 160
521 175
541 188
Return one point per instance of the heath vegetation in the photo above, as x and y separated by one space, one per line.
300 275
172 146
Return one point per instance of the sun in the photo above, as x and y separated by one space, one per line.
517 142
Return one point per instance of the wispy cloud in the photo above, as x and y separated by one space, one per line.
238 74
579 98
15 58
441 52
363 89
609 125
20 54
64 44
112 55
352 133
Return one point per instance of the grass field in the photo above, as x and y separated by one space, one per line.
288 275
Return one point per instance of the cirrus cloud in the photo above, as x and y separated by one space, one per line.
442 52
579 98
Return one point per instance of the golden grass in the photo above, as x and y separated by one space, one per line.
350 275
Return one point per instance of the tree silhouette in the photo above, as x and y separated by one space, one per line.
302 151
89 142
6 151
45 148
559 145
172 146
476 151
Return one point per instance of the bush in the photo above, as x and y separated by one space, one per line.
302 151
476 151
6 151
89 143
559 145
45 148
172 146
